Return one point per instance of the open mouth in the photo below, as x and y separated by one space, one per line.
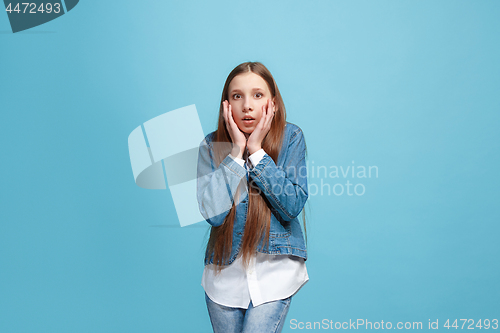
248 121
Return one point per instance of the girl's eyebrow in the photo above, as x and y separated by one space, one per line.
238 90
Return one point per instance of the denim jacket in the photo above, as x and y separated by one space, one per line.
283 184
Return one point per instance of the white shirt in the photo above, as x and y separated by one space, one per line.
268 277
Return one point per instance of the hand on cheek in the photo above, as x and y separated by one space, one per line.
255 139
237 137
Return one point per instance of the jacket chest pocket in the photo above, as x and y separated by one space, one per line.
280 238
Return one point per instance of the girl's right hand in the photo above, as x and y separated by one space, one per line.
237 137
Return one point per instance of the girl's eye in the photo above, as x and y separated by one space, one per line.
234 96
260 94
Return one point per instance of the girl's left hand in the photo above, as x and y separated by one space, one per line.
254 141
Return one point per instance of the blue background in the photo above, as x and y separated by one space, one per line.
408 86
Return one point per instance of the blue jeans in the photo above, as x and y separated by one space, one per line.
265 318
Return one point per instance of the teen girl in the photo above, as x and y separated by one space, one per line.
252 185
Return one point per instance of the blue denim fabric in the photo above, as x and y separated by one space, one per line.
268 317
284 185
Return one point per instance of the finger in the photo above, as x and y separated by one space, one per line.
225 112
231 119
224 108
262 118
269 120
227 120
230 116
269 114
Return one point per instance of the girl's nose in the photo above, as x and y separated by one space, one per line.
247 106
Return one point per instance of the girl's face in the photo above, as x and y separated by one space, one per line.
248 93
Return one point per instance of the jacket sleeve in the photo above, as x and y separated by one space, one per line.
216 187
284 187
